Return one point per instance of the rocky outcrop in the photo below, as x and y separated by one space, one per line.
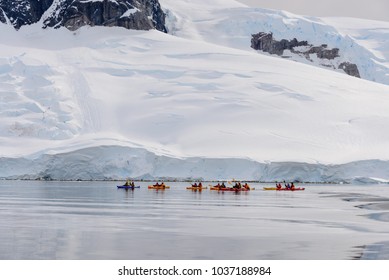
73 14
23 12
265 42
322 52
350 68
131 14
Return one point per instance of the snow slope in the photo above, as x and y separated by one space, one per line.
363 42
371 35
103 103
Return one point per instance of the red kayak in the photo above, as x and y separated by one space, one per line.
283 189
291 190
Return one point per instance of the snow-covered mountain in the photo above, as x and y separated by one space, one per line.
197 102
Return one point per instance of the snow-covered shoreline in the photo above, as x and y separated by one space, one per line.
118 163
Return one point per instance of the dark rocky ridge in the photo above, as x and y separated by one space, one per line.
265 42
73 14
23 12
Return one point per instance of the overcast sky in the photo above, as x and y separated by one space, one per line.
370 9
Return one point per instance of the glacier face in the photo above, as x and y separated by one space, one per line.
119 162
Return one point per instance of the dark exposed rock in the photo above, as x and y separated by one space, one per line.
2 16
324 53
264 41
131 14
23 12
141 15
350 68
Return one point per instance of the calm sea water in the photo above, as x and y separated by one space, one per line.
95 220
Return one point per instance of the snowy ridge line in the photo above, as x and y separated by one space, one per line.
118 163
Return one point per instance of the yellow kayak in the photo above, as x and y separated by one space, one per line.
158 187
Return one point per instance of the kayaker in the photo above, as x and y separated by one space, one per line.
127 183
200 185
223 185
292 187
278 186
246 186
194 185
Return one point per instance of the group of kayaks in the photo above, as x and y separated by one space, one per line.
236 187
131 185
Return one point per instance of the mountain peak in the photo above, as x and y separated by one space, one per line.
73 14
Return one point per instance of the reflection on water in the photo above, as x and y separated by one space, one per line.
95 220
376 251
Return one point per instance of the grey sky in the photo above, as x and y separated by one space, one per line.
371 9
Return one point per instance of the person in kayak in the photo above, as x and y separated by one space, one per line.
237 185
292 187
246 186
278 186
129 183
158 185
220 186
